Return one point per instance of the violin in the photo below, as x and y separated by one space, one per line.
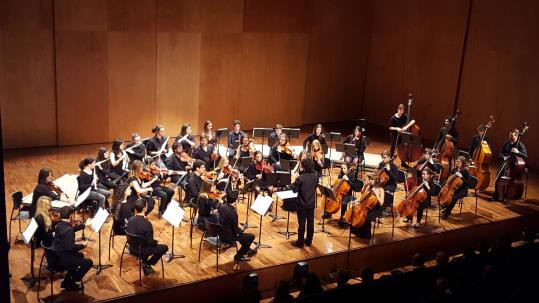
510 184
481 158
145 175
410 150
264 167
56 189
286 149
408 206
184 157
445 148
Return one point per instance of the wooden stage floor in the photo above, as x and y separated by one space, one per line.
21 168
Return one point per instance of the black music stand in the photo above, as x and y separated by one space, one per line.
244 162
262 132
347 149
248 188
284 165
172 255
279 179
292 133
333 136
288 233
327 193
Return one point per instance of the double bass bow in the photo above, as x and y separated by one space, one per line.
409 150
481 158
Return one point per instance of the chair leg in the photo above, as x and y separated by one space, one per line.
39 275
200 245
52 289
162 268
139 270
461 202
10 220
476 202
217 254
122 258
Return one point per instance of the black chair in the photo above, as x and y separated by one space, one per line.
137 243
401 178
50 254
474 181
24 215
213 229
113 234
427 209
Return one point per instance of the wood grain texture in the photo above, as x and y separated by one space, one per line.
132 15
277 16
82 15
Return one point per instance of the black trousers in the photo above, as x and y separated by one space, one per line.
305 216
165 194
420 210
245 240
152 254
150 203
449 208
75 264
365 230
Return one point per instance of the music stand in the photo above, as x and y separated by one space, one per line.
283 196
327 193
97 224
292 133
261 206
333 136
244 162
284 165
262 132
247 188
279 179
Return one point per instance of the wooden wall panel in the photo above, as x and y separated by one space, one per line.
82 15
131 76
501 71
178 74
199 16
131 15
82 87
415 46
26 15
277 16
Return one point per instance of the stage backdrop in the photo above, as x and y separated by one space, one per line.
78 72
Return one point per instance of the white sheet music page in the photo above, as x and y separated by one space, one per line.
287 194
261 204
99 219
174 213
29 231
82 197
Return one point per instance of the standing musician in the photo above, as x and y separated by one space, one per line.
164 193
122 208
207 206
207 130
281 150
391 184
140 226
317 134
397 124
176 161
186 138
476 139
205 152
105 178
194 183
141 185
87 179
460 171
319 159
508 148
119 159
45 187
234 139
154 144
136 149
431 189
452 134
67 255
349 175
358 140
257 171
305 185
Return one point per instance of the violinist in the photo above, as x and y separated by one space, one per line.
194 183
510 147
122 208
476 139
277 131
246 148
164 193
105 178
257 171
155 144
317 134
281 150
207 130
139 187
176 161
460 171
87 179
319 159
234 139
349 175
205 152
45 187
207 206
397 124
305 185
44 222
432 190
136 149
119 159
391 184
358 140
186 138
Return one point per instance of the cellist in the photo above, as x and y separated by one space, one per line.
508 148
397 124
349 175
460 171
431 189
391 184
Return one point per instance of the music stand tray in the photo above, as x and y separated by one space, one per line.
278 179
285 165
292 133
328 194
347 148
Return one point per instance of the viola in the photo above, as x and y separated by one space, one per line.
408 206
410 150
445 148
481 158
145 175
448 190
510 183
56 189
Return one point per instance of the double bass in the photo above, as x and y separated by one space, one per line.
445 148
410 150
481 158
408 206
510 184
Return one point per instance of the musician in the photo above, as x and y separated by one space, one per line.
122 208
317 134
460 171
154 144
207 130
176 161
44 179
277 131
298 169
67 255
224 170
140 226
118 158
349 175
164 193
105 178
432 190
136 149
427 160
358 140
44 222
234 139
228 219
87 179
246 148
397 124
509 148
452 134
257 171
281 150
141 185
391 184
194 183
205 152
207 206
319 159
305 185
186 138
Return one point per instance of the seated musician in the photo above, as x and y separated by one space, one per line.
45 226
159 189
319 159
186 138
206 153
228 219
431 189
136 149
427 160
234 139
246 148
141 185
175 162
349 175
44 188
257 171
207 130
105 177
194 183
67 253
140 226
317 134
452 134
397 124
391 184
358 140
509 148
281 150
119 159
87 179
460 171
207 206
122 207
153 147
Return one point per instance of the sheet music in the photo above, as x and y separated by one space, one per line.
174 213
29 231
261 204
57 204
286 194
82 197
163 146
68 184
99 219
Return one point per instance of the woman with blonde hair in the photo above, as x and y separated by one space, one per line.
44 221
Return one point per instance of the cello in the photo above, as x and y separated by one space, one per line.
340 188
510 184
408 206
448 190
444 152
410 150
481 158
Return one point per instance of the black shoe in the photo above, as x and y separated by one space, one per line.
241 259
342 223
73 286
445 216
308 243
146 269
326 216
297 244
251 252
66 283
